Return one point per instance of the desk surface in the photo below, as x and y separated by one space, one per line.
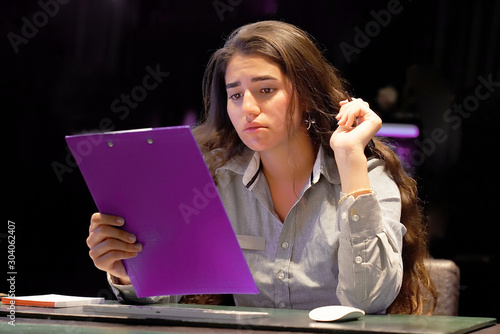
67 320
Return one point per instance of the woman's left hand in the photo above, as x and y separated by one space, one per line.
357 125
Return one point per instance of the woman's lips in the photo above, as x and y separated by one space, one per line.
253 127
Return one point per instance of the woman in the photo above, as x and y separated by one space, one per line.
295 161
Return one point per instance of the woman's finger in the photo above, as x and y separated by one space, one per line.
99 219
348 115
111 262
104 232
111 244
107 255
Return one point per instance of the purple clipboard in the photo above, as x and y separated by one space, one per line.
157 180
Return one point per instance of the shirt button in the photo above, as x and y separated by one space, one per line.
358 259
355 218
344 215
284 245
282 305
281 275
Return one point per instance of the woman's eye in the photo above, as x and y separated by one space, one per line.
267 90
235 96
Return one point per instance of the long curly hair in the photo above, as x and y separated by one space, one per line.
318 89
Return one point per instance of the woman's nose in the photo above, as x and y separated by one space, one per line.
250 105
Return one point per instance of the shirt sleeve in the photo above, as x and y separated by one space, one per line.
370 245
126 294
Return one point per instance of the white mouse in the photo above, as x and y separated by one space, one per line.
335 313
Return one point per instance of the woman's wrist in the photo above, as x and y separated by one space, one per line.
356 193
353 170
120 281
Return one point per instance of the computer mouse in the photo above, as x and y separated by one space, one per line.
335 313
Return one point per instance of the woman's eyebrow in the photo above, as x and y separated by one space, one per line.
263 78
255 79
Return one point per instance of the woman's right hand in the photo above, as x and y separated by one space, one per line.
109 244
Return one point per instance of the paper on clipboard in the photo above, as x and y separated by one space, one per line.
157 180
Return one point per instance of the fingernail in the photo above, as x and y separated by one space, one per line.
120 221
138 247
131 238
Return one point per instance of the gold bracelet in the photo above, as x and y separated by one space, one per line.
368 191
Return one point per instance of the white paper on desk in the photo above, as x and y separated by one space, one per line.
52 300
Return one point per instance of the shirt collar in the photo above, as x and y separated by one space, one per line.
243 164
325 165
252 171
249 165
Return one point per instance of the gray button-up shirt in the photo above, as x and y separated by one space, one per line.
323 253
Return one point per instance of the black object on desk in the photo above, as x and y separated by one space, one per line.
277 320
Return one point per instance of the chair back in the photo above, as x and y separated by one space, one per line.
445 275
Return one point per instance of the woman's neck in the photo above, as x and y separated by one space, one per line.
287 172
291 164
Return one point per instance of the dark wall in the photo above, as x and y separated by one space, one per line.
68 66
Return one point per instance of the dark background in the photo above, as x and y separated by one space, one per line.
61 78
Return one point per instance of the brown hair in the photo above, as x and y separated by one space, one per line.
318 89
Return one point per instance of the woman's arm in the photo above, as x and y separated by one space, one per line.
370 264
370 244
357 125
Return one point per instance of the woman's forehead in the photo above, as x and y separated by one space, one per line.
247 63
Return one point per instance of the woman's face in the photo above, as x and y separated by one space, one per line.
258 98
